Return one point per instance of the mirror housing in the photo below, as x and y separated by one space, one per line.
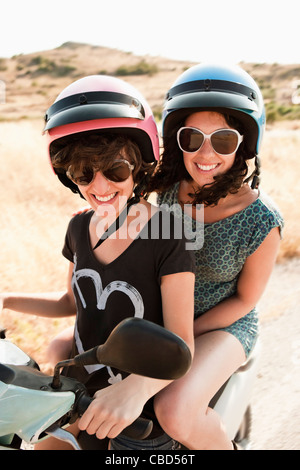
140 347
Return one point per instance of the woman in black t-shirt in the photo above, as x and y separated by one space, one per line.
126 258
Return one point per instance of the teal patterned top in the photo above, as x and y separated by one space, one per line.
227 243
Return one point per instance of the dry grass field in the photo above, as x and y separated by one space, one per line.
280 178
35 208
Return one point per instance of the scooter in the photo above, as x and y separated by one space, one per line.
233 401
34 405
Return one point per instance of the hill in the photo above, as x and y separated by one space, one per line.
33 81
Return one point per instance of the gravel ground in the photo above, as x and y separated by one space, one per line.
276 397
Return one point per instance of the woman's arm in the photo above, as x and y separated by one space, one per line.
117 406
178 305
250 287
52 304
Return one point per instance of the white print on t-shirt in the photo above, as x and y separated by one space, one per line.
101 297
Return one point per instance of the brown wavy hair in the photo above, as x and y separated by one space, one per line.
98 149
171 169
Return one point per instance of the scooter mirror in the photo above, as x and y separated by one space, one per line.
141 347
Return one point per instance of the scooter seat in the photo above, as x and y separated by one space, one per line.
243 368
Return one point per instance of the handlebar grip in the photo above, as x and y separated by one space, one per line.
83 404
139 429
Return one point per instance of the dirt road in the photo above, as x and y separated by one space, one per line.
276 397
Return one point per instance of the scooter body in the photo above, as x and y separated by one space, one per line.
30 408
34 405
233 401
26 396
33 410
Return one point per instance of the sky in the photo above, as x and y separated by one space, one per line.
230 31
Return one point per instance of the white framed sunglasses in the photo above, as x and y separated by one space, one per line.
119 171
223 141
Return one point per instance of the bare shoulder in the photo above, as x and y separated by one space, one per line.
243 198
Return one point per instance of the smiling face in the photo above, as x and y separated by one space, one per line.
104 167
102 192
205 163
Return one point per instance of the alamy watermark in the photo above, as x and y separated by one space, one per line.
2 92
174 221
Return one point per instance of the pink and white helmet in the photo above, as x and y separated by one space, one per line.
103 103
100 102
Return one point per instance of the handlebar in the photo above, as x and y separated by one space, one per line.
139 429
134 346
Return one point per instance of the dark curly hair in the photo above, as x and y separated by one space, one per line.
171 169
98 149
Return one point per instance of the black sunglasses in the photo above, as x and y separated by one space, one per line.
117 173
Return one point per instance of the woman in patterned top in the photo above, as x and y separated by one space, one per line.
213 124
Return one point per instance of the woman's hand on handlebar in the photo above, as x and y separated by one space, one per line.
112 410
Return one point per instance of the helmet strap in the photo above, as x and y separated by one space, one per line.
256 174
114 227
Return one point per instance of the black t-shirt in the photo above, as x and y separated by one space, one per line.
128 286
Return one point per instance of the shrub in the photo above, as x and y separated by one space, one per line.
277 112
47 66
141 68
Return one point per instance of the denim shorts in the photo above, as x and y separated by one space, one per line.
163 442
